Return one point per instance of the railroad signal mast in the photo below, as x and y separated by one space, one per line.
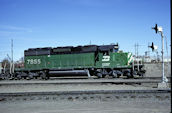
158 29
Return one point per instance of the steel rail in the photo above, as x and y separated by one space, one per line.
85 81
85 92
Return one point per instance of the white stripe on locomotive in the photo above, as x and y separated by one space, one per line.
130 58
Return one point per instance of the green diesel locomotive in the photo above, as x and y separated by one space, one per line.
93 59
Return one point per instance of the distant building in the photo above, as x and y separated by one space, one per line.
155 59
147 59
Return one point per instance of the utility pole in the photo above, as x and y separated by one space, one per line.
12 63
148 54
90 42
137 55
159 29
136 50
136 46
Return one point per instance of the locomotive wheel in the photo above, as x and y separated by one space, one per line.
114 75
30 76
129 75
103 76
43 75
141 74
19 77
99 75
2 76
118 75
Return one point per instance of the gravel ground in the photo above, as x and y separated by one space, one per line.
85 104
44 106
155 69
72 87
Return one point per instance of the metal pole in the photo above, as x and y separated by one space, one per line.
133 63
10 63
148 50
12 67
164 79
4 67
137 50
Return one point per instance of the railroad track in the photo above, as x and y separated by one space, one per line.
81 77
105 95
82 81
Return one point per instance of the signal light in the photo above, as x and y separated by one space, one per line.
153 47
155 28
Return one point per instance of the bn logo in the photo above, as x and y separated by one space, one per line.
106 58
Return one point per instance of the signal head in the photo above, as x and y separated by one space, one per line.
155 28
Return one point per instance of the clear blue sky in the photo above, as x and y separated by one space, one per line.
52 23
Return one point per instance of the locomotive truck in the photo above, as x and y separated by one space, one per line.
95 60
